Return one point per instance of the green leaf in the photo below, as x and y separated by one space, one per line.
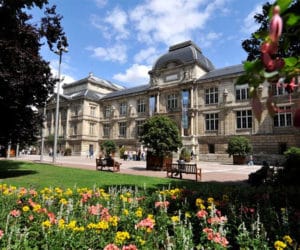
292 19
283 4
291 61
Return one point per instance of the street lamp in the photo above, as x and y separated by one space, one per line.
60 51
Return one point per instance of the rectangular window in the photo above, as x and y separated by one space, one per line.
139 127
141 106
212 121
92 128
172 101
244 119
278 90
122 129
211 148
123 109
106 130
211 96
74 129
92 111
284 117
152 105
242 92
107 111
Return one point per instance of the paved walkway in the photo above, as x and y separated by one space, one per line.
211 171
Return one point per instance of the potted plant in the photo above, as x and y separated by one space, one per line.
239 147
109 147
161 136
185 155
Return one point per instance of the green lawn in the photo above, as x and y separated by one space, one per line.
39 175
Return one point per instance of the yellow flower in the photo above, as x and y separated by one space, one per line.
279 245
72 224
188 215
288 240
121 237
199 202
37 207
175 219
68 192
210 200
139 212
78 229
25 209
63 201
61 223
125 211
46 224
114 221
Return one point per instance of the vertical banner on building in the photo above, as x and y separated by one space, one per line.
185 104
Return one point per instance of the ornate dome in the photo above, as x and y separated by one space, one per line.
183 53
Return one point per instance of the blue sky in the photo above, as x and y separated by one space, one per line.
120 40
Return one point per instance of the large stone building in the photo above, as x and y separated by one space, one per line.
204 102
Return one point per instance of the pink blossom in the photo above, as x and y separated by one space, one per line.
1 233
130 247
111 247
146 223
275 25
15 213
202 214
95 210
162 204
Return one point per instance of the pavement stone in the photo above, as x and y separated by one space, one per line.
211 171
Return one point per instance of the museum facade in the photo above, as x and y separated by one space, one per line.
206 104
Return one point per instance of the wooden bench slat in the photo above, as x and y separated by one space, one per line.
184 168
101 164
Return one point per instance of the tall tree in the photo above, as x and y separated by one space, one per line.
25 78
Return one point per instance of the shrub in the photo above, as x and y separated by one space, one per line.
68 152
239 145
109 147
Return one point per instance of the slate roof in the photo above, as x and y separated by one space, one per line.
126 91
235 69
183 53
86 94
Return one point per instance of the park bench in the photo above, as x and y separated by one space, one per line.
107 164
183 168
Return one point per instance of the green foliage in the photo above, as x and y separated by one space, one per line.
22 68
185 155
161 135
292 157
239 145
109 147
122 151
288 47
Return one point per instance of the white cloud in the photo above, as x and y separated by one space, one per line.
249 24
116 53
118 20
135 75
101 3
148 56
208 39
171 21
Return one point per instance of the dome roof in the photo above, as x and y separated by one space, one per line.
184 53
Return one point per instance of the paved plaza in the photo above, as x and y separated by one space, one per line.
211 171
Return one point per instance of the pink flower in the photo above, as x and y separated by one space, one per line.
95 210
111 247
146 223
15 213
201 214
130 247
1 233
275 25
162 204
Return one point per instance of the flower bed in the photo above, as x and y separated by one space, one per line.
129 218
